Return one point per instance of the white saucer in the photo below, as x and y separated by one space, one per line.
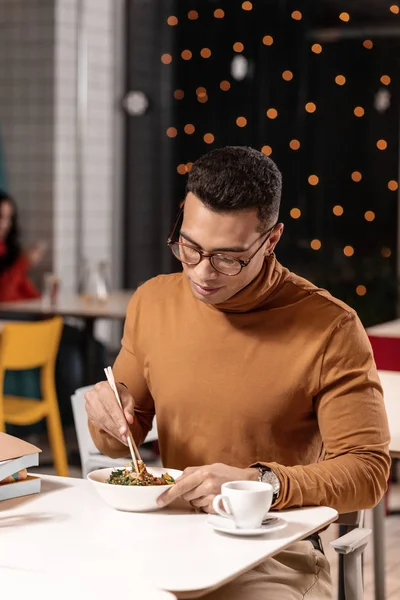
226 525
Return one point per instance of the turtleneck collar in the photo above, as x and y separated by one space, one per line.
255 294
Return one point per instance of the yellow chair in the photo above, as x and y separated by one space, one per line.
28 346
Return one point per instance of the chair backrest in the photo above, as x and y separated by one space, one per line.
30 345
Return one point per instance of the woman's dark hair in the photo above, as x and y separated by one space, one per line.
238 178
13 248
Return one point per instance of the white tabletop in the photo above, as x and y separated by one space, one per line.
73 305
391 387
68 526
389 329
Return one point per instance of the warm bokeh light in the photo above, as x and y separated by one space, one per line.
369 216
316 48
238 47
338 210
179 94
348 250
172 20
295 213
311 107
241 121
202 98
345 17
201 91
193 15
313 180
385 79
359 111
225 85
296 15
186 55
267 150
395 9
287 75
386 252
340 79
356 176
294 144
393 185
368 44
181 169
189 166
272 113
315 244
189 128
219 13
172 132
205 52
361 290
247 6
208 138
268 40
381 144
166 59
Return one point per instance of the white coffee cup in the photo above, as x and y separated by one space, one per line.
245 502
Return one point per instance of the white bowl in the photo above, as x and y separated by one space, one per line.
131 498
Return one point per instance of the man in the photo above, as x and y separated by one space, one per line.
254 373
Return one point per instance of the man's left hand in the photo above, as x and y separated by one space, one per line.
200 485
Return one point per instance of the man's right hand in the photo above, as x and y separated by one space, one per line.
103 409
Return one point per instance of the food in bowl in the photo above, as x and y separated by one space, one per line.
129 476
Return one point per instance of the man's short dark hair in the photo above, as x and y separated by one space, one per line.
238 178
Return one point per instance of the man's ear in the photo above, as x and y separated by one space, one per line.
274 238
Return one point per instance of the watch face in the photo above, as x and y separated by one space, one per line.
270 477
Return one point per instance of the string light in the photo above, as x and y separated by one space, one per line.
193 15
361 290
189 128
205 52
186 55
338 210
348 250
181 169
386 252
179 94
313 180
287 75
295 213
311 107
241 121
267 150
345 17
219 13
202 98
247 6
268 40
315 244
294 144
272 113
208 138
172 20
359 111
166 59
368 44
393 185
340 79
225 86
189 166
201 91
369 216
356 176
385 79
316 48
296 15
381 144
172 132
394 9
238 47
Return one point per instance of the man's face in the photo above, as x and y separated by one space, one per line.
235 234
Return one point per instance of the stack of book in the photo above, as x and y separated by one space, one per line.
16 456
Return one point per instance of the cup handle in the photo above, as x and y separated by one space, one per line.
217 506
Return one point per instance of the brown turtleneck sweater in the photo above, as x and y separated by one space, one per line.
282 374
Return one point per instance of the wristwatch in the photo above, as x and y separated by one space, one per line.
266 475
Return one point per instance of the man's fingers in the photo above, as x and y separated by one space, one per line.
203 502
128 416
182 486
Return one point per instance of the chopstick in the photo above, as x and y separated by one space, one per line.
131 442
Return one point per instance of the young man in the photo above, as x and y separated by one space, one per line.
254 373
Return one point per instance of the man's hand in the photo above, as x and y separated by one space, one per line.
199 485
103 410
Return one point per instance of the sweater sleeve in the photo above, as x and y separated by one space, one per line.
354 429
127 370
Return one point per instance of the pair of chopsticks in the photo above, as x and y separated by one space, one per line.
131 442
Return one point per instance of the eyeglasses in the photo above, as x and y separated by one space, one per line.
223 263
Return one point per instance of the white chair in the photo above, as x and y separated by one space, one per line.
91 458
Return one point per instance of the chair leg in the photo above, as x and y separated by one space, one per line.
378 519
57 443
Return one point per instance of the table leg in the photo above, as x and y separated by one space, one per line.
90 351
378 518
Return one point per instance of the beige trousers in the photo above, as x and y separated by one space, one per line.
298 572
